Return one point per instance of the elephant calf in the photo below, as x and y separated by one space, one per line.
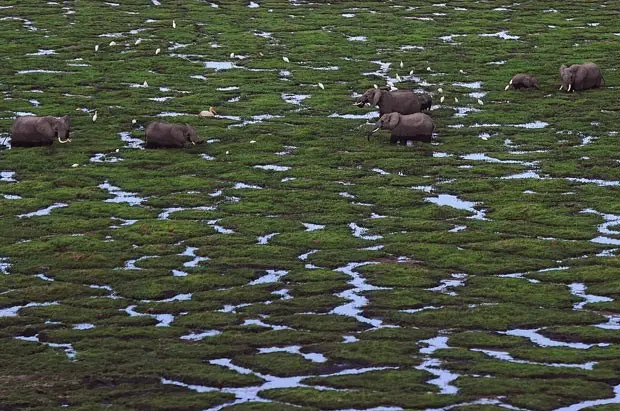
523 80
416 127
32 131
165 135
581 76
399 101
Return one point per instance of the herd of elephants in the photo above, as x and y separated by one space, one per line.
399 112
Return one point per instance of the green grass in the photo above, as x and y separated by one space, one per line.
370 198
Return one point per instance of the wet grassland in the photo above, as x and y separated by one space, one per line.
288 263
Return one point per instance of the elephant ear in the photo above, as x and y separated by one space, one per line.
376 96
67 120
393 120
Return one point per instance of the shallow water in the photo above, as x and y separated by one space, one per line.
455 202
540 340
200 336
43 211
433 366
360 232
121 196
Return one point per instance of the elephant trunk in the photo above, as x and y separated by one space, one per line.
374 130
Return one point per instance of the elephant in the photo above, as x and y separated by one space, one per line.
165 135
523 80
580 76
30 131
416 127
400 101
426 101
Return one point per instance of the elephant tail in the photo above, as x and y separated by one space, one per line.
603 79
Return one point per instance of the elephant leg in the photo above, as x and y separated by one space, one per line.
394 139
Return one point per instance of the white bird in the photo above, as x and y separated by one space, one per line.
117 150
95 116
97 48
157 51
145 84
75 165
456 100
232 55
401 64
442 99
138 42
440 90
397 77
286 59
428 68
174 24
322 86
133 121
461 71
375 86
228 152
480 102
252 141
208 113
411 72
112 43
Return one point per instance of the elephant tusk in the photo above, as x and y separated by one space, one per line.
375 130
569 87
193 143
507 87
561 87
510 82
63 142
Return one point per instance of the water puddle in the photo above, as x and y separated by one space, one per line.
594 403
360 232
502 35
272 276
313 227
357 38
283 294
296 99
357 301
270 382
40 276
83 326
530 174
472 85
579 290
457 281
272 167
67 348
505 356
11 197
598 182
540 340
433 366
455 202
417 310
259 118
261 323
220 65
242 186
43 211
14 311
295 349
346 195
173 114
124 222
131 264
219 228
486 158
104 158
5 265
201 335
191 252
163 320
121 196
165 214
132 142
264 239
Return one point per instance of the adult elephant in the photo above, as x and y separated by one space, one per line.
30 131
416 127
399 101
581 76
169 135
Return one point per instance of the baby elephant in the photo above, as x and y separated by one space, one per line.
32 131
581 76
416 127
400 101
523 80
165 135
